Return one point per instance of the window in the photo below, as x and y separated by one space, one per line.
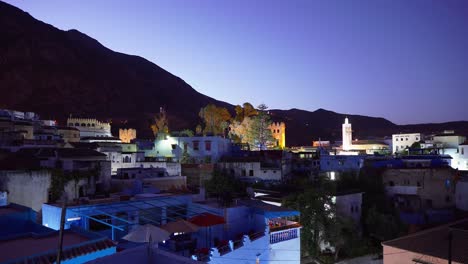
462 150
417 139
185 146
418 184
174 146
396 139
196 145
244 173
406 139
391 183
251 173
208 145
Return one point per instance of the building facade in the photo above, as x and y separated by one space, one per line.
90 127
278 131
401 142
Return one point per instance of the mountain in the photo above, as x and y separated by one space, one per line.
57 73
60 73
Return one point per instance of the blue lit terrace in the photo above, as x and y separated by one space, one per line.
251 229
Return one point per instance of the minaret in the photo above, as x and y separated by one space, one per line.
347 135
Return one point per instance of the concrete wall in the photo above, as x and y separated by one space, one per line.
164 183
349 205
461 195
341 163
435 184
197 174
27 188
244 169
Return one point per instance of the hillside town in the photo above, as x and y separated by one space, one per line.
231 190
233 132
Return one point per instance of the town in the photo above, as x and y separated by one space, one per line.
231 190
233 132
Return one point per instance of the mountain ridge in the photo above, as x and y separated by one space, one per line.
57 73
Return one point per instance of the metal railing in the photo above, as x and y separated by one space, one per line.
281 236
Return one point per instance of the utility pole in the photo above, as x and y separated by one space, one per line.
62 225
450 237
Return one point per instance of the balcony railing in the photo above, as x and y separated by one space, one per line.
284 227
280 236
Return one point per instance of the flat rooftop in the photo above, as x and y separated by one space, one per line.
434 242
28 246
6 210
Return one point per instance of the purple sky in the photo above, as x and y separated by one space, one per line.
405 60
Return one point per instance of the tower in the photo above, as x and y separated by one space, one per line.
278 131
347 135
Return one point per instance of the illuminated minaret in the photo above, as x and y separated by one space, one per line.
347 135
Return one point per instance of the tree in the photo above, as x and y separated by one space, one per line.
225 188
244 111
317 210
258 133
340 231
160 125
186 132
215 119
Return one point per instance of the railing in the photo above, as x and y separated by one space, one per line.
238 243
224 249
281 236
256 236
285 227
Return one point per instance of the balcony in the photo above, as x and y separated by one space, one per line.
280 236
282 230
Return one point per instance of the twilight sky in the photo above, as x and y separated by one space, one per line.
405 60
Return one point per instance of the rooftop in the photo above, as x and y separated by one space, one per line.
433 242
140 255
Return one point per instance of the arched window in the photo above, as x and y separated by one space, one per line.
77 124
89 125
83 124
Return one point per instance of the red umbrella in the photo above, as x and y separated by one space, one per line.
207 219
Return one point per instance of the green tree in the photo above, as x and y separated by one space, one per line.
225 188
317 210
258 134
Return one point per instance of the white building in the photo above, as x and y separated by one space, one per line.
355 147
197 149
90 127
462 162
400 142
